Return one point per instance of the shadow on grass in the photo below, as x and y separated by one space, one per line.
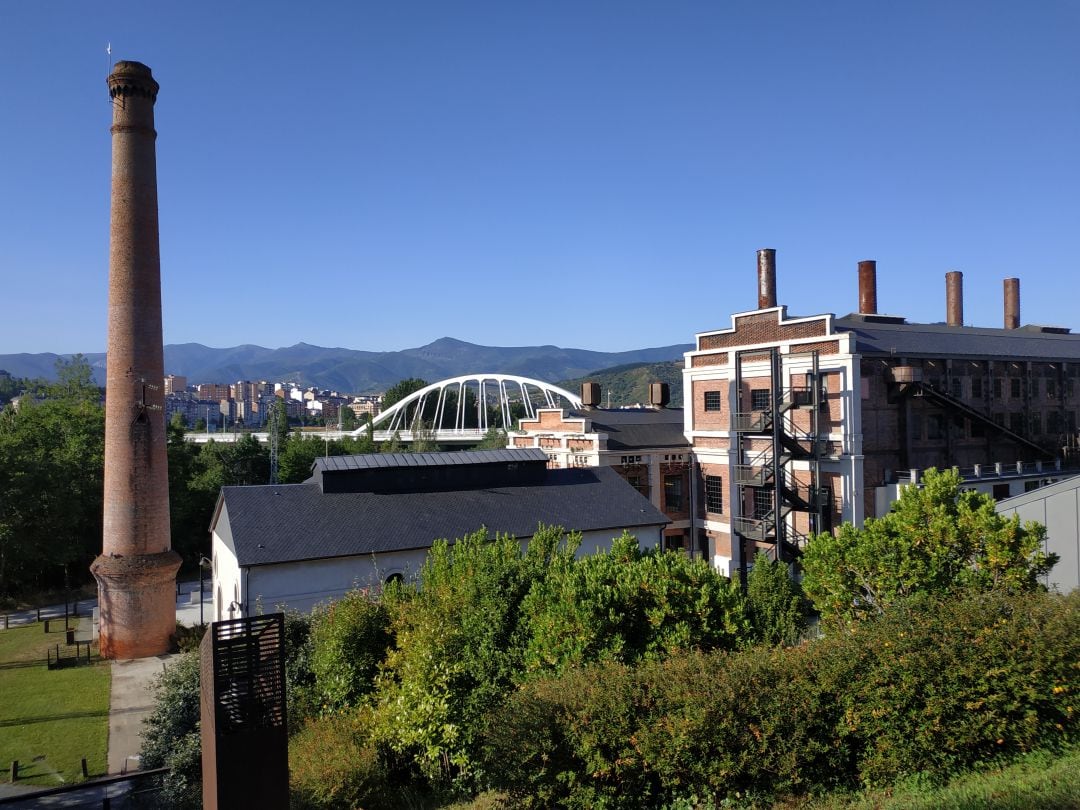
26 721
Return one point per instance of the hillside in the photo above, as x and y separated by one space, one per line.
628 384
361 372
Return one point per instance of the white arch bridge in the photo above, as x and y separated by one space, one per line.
463 409
459 410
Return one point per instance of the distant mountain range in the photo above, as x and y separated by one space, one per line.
359 372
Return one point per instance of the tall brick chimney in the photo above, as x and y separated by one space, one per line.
136 572
954 298
766 278
1012 303
868 287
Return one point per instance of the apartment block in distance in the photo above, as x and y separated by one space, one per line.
798 423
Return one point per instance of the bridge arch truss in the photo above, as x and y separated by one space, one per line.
471 404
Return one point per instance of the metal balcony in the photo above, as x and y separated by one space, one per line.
752 422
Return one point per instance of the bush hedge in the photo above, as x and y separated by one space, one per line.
931 687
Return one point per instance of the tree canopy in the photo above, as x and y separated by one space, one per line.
938 538
397 392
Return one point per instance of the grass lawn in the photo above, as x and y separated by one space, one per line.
50 719
1040 779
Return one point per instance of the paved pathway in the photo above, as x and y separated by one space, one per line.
130 702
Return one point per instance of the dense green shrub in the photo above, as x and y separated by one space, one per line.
170 736
303 700
348 640
775 602
693 725
333 763
951 683
930 688
457 647
628 604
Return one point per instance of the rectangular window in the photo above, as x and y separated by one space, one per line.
640 483
760 399
957 387
1051 389
998 388
763 503
714 493
1053 423
1036 424
934 427
630 460
916 426
1014 387
673 497
713 401
1016 422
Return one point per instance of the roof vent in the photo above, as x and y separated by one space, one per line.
659 394
590 394
1046 330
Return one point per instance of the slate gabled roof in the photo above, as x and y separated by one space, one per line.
638 428
286 523
938 339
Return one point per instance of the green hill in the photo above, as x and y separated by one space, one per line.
629 384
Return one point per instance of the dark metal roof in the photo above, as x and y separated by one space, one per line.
463 457
638 428
941 340
285 523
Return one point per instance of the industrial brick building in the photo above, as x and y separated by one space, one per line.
645 446
799 423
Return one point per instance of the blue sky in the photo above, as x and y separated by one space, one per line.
585 174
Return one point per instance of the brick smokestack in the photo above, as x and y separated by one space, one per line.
136 572
868 287
954 298
1012 303
766 278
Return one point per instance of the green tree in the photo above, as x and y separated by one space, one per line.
349 639
190 505
397 392
628 604
296 456
348 418
938 538
775 601
423 438
51 474
457 647
494 439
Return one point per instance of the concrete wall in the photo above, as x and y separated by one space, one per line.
1058 508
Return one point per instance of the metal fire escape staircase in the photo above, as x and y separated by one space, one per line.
766 475
917 388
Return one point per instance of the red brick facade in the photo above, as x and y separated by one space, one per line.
136 571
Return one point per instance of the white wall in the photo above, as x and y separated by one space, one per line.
226 571
304 584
